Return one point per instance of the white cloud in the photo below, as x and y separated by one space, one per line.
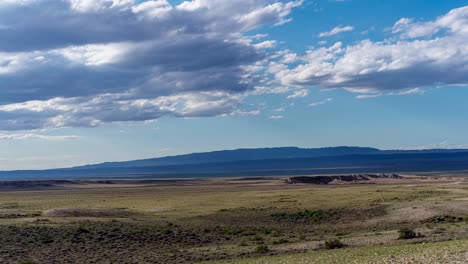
335 31
96 110
321 102
388 65
276 117
455 22
397 93
268 44
245 113
409 91
299 94
36 136
280 109
156 58
367 96
441 145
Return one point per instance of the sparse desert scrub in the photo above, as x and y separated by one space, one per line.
428 253
219 221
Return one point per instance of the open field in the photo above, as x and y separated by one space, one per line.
257 220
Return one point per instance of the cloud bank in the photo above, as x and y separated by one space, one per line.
418 55
63 64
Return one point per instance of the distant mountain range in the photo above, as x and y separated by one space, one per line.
265 162
257 154
237 155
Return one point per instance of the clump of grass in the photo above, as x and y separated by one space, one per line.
342 233
334 244
407 233
243 244
262 249
275 233
266 231
167 231
45 239
82 230
171 224
257 238
248 233
280 241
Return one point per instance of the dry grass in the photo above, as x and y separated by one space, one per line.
225 219
429 253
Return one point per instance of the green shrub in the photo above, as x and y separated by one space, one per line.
171 224
280 241
257 238
248 233
333 244
275 233
45 239
262 249
406 233
167 232
82 230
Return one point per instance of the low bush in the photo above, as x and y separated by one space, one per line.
280 241
243 244
262 249
406 233
257 238
333 244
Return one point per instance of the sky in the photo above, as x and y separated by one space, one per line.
89 81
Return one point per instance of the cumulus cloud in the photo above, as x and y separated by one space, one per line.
335 31
393 64
95 110
63 64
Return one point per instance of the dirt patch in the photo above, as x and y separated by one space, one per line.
158 210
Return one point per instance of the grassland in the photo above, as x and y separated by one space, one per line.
235 221
438 252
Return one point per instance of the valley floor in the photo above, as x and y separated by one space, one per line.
256 220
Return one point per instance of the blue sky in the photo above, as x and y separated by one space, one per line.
178 77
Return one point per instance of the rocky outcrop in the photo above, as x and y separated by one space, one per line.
343 178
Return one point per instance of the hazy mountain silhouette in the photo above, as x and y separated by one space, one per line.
266 162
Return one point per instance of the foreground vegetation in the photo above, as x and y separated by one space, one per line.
236 221
439 252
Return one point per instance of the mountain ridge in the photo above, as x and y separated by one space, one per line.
236 155
245 154
264 162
